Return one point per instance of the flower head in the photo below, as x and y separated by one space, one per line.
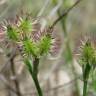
29 37
88 54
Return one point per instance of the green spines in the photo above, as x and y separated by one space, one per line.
88 54
30 47
37 49
12 33
26 25
87 60
45 44
22 33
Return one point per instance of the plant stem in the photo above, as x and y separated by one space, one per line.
63 23
86 72
35 76
85 88
33 69
35 79
65 13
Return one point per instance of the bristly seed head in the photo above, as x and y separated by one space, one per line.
28 36
88 54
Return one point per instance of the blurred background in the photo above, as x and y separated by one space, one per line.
60 75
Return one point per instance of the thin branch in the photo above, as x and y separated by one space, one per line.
14 74
64 14
5 81
8 61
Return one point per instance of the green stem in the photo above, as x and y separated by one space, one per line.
63 23
35 79
86 73
33 69
35 76
85 88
